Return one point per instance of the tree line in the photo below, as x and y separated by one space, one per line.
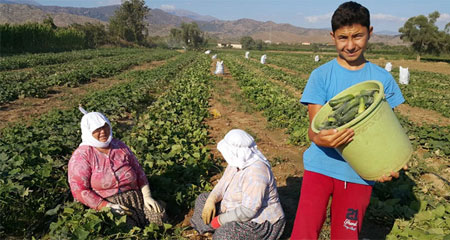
128 26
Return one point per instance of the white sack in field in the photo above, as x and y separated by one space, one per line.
316 58
388 66
219 67
404 76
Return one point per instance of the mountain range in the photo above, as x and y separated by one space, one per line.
160 22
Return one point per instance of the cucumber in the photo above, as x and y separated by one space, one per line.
354 102
345 98
348 107
340 110
349 116
367 92
336 107
362 105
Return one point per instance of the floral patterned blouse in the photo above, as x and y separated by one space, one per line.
253 187
94 175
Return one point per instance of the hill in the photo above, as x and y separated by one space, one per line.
19 14
160 23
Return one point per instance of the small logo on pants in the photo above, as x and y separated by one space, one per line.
351 221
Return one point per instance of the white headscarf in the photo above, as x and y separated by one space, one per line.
89 123
239 149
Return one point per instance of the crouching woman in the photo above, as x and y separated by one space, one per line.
103 172
245 198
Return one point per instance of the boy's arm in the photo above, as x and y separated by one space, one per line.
327 138
333 138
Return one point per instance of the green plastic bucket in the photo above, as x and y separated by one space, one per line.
380 145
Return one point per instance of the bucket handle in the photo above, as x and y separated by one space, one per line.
388 95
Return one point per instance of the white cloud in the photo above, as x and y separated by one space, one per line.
319 18
386 17
109 2
444 18
167 7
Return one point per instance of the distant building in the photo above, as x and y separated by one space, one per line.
267 41
306 43
236 45
230 45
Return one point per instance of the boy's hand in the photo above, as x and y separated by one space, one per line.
333 138
392 175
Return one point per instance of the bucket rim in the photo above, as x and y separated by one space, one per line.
378 99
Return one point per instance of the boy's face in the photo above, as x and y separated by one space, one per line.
351 42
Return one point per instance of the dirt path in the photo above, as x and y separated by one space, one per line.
230 111
26 109
420 116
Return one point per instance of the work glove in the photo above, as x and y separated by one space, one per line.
209 210
149 202
119 209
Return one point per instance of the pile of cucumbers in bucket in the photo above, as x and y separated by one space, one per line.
347 108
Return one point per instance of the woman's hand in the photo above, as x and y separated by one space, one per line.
385 178
119 209
333 138
149 202
209 210
152 205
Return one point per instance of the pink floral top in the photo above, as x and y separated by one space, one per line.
94 175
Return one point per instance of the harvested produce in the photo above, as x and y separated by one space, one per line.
347 108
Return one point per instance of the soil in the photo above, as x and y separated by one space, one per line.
229 111
26 109
420 115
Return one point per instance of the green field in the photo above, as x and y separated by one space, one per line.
162 113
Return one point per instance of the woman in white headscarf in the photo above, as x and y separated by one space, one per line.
245 203
103 172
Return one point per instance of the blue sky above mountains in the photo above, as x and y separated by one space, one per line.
386 15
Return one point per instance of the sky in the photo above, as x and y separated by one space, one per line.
386 15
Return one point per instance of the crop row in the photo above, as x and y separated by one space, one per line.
33 60
409 204
427 90
295 80
33 159
170 140
415 208
281 108
35 83
301 63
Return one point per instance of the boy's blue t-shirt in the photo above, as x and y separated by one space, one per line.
324 83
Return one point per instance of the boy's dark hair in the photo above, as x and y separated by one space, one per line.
350 13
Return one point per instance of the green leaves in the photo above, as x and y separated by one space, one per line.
33 158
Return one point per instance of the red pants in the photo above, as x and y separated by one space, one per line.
348 205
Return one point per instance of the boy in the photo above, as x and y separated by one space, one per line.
326 172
